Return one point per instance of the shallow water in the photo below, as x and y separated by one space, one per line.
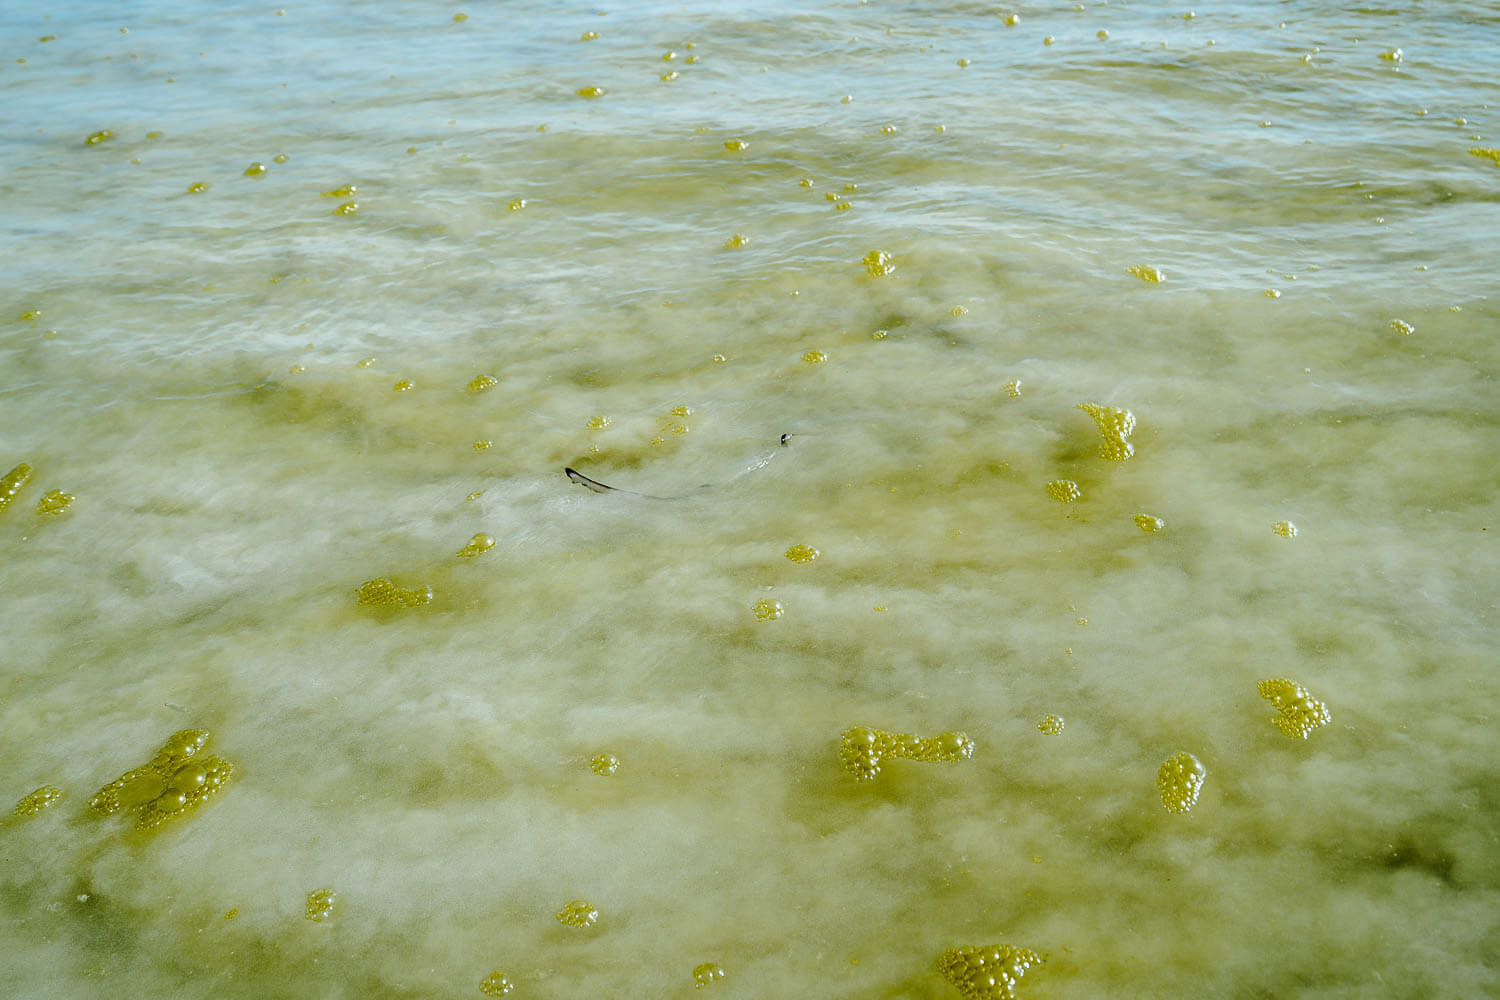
211 375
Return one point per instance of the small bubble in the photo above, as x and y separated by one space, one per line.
962 63
736 145
347 208
197 188
1271 293
879 335
1391 55
1048 40
669 76
103 135
278 158
405 385
1149 524
888 130
460 17
588 36
1011 20
1102 35
255 170
591 92
736 241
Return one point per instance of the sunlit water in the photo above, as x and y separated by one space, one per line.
212 375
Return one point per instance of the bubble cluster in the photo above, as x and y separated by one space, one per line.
173 782
1298 712
1286 529
1116 426
1149 524
103 135
320 905
482 383
1013 388
597 423
802 553
54 502
15 480
578 913
861 749
480 543
347 208
382 593
815 357
1180 779
343 191
736 241
404 385
35 802
1146 273
1486 154
1064 490
1051 725
707 974
496 985
604 764
1402 327
198 187
991 972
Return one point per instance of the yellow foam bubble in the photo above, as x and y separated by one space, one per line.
707 974
15 480
1180 779
604 764
1116 426
1064 490
578 913
320 905
38 800
382 593
54 502
1298 712
863 749
802 553
991 972
1051 725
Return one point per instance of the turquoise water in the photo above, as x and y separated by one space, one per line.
661 282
